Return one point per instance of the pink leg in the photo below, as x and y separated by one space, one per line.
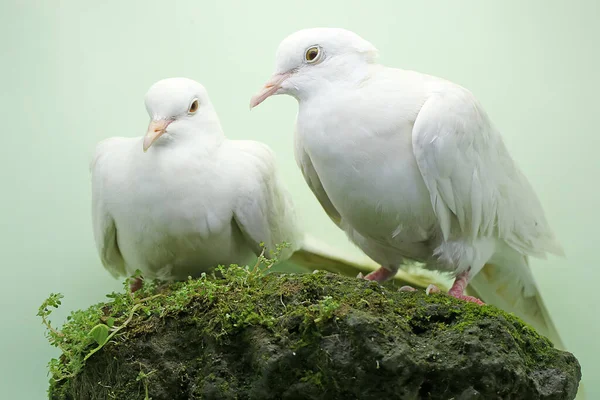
381 275
458 289
135 284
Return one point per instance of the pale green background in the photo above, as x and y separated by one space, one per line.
75 72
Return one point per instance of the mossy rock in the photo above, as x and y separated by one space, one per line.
314 336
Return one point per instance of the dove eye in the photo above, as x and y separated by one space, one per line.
312 54
193 107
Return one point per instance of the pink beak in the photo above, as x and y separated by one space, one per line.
270 88
155 130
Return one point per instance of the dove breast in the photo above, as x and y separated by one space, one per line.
173 210
360 144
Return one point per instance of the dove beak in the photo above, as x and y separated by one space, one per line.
270 88
156 128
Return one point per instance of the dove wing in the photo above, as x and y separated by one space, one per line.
105 230
264 210
475 187
314 183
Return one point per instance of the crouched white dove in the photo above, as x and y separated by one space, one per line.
183 199
411 168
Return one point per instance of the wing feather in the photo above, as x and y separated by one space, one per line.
265 211
475 187
314 183
105 229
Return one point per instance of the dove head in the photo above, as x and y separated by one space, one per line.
312 59
179 109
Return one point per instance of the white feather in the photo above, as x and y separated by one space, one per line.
193 201
411 168
196 199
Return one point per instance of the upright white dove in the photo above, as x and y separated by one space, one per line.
411 168
184 199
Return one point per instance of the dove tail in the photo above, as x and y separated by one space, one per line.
506 282
507 285
314 254
511 287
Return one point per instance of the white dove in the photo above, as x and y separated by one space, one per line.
411 168
183 199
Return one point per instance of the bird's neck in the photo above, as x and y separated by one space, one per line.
208 138
334 83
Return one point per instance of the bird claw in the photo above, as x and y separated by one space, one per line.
432 289
380 275
360 275
136 284
407 289
469 299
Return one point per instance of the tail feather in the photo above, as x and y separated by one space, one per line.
506 282
316 255
508 285
506 290
513 290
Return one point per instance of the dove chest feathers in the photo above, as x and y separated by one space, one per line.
175 211
367 167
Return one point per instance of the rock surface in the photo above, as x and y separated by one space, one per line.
316 336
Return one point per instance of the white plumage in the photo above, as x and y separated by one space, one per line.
183 199
411 168
194 200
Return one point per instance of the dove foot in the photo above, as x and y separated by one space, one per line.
470 299
381 275
457 290
135 284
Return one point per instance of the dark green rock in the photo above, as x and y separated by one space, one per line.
318 336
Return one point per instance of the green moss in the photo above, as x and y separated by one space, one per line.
315 378
239 326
